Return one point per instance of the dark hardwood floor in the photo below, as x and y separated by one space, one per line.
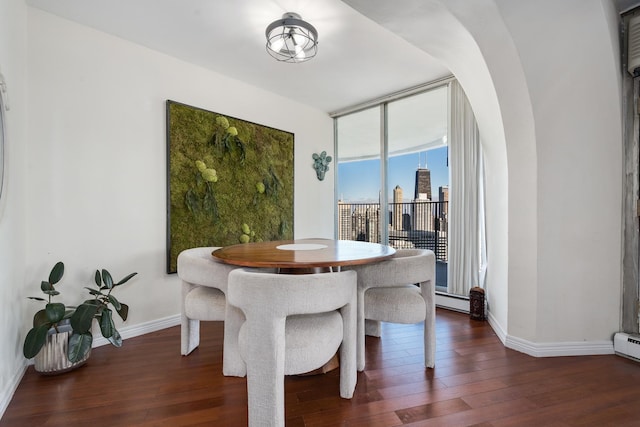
476 382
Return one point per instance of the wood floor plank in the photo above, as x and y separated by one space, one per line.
432 410
476 382
615 416
560 413
474 416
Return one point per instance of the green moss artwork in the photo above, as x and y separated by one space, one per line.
230 181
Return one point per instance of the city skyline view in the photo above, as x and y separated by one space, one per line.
359 181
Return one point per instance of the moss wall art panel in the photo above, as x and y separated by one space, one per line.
230 181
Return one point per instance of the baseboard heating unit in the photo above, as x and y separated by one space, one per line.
627 345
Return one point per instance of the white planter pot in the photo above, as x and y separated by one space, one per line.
52 358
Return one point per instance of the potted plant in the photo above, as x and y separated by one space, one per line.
97 308
61 339
47 341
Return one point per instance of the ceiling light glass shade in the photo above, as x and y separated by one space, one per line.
291 39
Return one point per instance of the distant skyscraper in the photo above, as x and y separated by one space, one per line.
373 218
420 209
346 225
443 220
423 184
396 221
422 219
443 196
406 222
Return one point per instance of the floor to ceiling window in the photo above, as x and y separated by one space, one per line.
399 145
410 174
359 176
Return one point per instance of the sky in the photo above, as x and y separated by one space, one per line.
360 181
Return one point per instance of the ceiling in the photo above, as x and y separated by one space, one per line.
357 60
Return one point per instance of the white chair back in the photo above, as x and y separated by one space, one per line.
277 308
392 298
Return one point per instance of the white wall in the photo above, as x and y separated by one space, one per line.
96 162
559 99
13 41
573 77
543 80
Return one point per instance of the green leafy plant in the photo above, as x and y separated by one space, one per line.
97 308
80 318
49 317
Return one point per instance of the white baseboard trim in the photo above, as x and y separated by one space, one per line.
578 348
460 304
497 328
551 349
10 388
140 329
134 331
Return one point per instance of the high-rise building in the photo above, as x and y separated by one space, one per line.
443 196
360 225
420 209
373 218
396 220
421 215
345 229
443 222
423 184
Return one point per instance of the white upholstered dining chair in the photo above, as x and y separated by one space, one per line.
204 289
387 292
294 324
204 285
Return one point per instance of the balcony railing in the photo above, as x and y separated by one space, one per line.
411 225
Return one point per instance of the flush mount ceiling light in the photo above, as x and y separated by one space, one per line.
291 39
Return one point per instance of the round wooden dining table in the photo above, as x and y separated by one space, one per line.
303 255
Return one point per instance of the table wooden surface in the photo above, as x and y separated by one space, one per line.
304 256
303 253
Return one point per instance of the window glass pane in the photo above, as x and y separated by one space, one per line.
359 175
418 174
